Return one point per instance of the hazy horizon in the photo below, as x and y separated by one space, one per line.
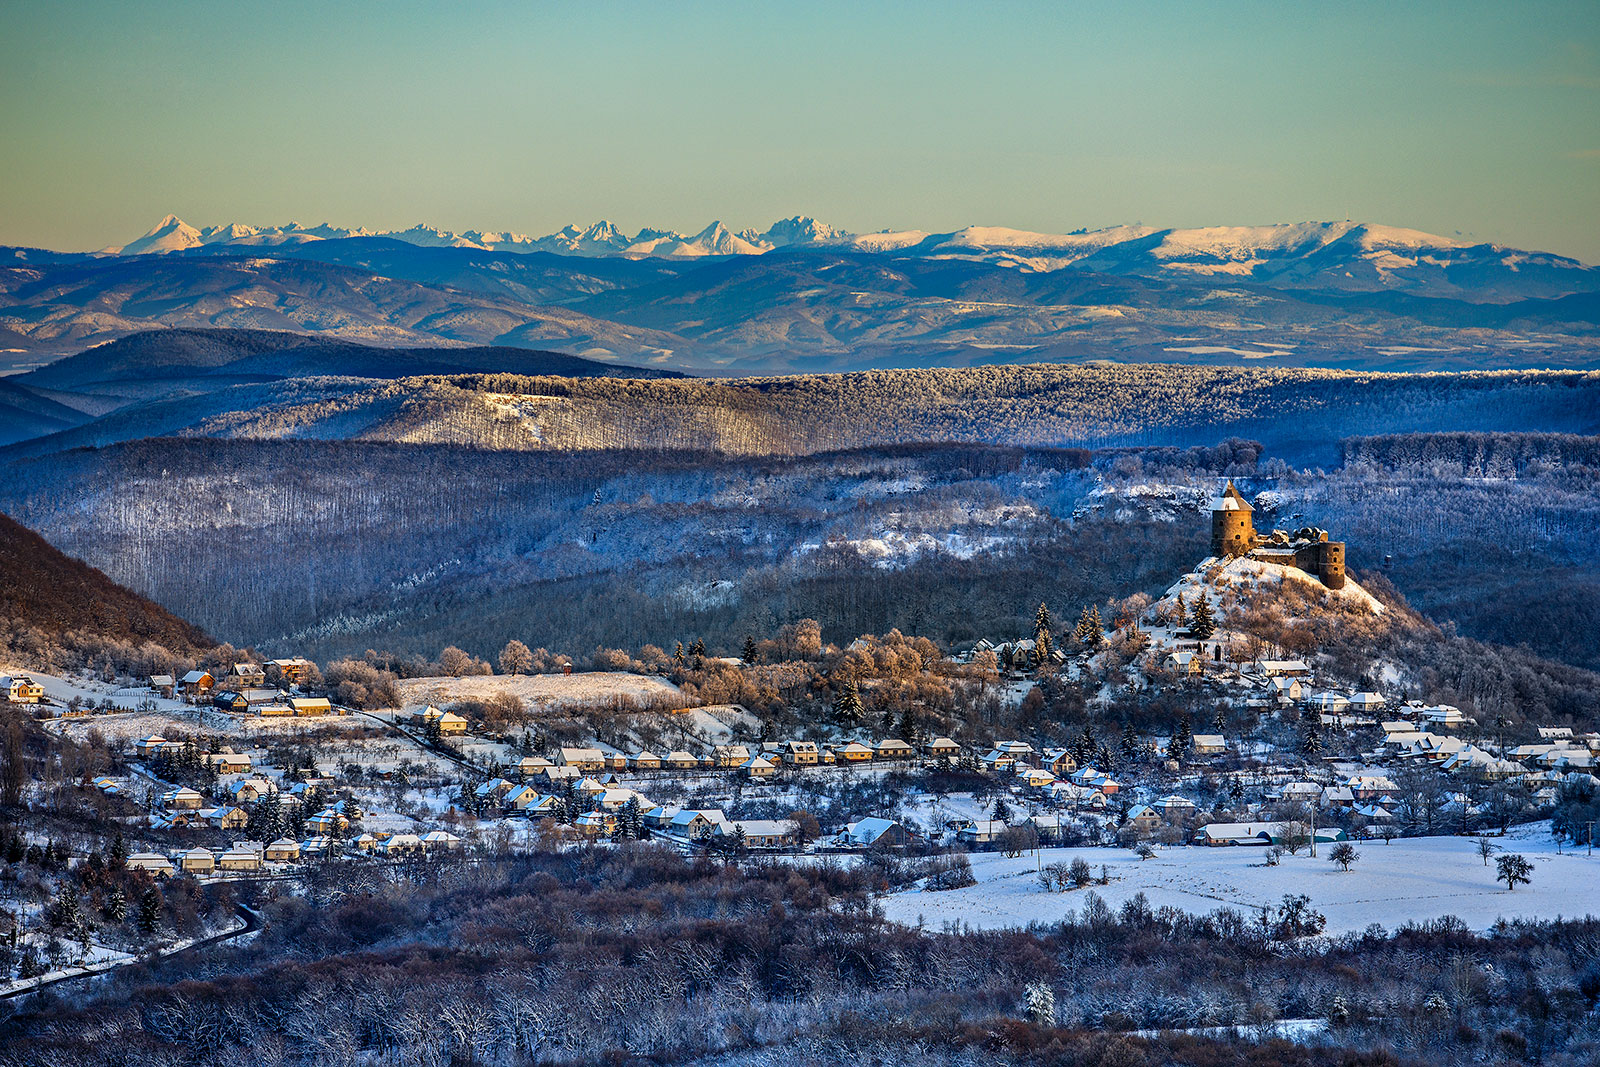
1472 121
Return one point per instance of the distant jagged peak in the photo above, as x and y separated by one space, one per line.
799 230
171 234
603 232
717 240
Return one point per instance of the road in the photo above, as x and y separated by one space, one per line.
441 751
252 923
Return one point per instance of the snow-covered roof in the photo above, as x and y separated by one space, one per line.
1230 499
688 815
868 830
758 827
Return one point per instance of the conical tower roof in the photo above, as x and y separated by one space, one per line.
1231 500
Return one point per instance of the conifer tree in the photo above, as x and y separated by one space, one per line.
1041 636
1081 633
1096 628
631 820
1201 624
698 648
117 905
1311 737
66 908
119 851
848 706
751 656
1040 1004
1178 747
677 657
266 821
1219 721
1085 747
910 727
150 911
1129 747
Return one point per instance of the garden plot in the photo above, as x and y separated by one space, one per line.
1407 880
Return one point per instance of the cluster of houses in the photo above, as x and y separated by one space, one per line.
1544 767
243 689
760 760
709 825
248 857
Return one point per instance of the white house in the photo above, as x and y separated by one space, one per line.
440 841
761 833
1236 833
1286 690
153 862
399 845
758 767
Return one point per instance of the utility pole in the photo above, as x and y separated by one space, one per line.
1314 804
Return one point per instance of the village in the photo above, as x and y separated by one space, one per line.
252 772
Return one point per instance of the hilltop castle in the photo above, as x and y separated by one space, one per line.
1233 533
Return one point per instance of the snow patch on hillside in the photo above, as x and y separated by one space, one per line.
536 690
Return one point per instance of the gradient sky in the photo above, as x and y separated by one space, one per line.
1482 119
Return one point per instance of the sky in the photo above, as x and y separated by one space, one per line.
1456 118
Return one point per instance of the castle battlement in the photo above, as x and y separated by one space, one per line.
1233 533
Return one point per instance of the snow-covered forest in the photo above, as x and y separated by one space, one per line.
1300 415
336 547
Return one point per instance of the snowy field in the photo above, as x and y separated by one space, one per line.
61 689
547 690
1406 880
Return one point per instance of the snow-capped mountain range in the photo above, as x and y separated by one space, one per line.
172 234
1248 251
804 295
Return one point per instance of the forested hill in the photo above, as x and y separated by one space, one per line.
149 369
1300 415
63 601
270 354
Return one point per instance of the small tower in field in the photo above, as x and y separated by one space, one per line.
1233 531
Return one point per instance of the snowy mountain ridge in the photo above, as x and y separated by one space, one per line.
1225 250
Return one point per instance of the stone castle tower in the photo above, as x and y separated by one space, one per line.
1233 530
1233 533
